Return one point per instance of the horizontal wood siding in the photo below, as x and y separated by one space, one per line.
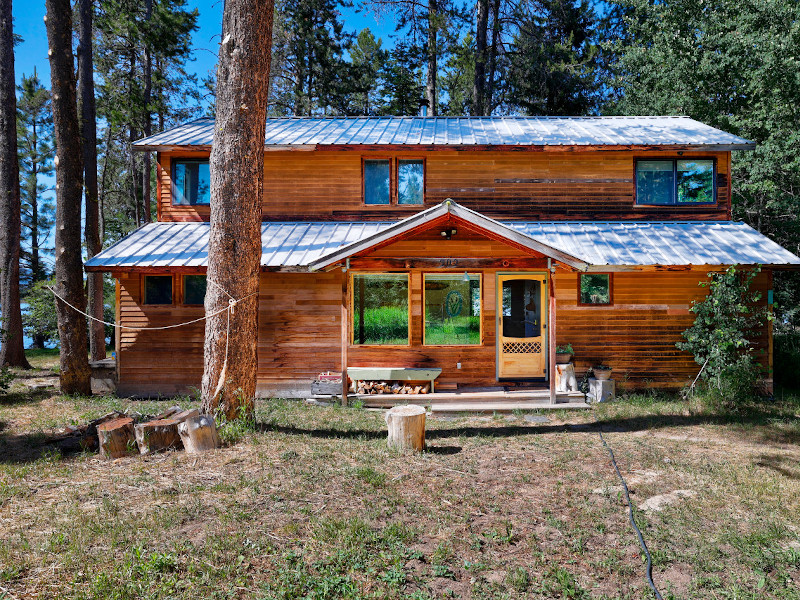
637 334
325 184
157 363
300 334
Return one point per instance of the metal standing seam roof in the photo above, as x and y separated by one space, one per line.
313 132
600 244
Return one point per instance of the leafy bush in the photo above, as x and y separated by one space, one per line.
725 324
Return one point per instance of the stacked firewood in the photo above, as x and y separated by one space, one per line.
389 387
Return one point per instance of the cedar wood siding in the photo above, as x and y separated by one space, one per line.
523 184
299 323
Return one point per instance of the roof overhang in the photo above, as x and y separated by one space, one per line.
447 210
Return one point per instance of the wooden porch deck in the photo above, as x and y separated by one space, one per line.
479 401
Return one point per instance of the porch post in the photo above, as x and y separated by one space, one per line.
345 336
551 334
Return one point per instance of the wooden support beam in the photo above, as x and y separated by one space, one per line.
447 263
345 336
551 335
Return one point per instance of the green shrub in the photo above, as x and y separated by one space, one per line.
726 322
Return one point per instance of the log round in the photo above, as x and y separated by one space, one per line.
199 433
116 437
406 427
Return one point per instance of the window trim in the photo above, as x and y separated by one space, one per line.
610 289
352 304
480 320
183 288
397 178
173 181
674 199
394 180
143 288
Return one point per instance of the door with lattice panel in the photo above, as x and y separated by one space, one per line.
522 325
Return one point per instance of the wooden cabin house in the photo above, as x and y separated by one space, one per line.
471 245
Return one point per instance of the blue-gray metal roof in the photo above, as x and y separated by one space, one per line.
295 245
312 132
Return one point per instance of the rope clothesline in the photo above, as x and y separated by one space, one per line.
232 302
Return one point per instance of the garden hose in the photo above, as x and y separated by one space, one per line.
633 520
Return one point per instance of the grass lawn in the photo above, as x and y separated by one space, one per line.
311 504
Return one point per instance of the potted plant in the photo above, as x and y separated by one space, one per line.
564 354
602 372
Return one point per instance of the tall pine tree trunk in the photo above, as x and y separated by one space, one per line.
97 333
237 182
12 351
75 375
488 102
433 68
147 128
479 84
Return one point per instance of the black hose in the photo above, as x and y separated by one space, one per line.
633 521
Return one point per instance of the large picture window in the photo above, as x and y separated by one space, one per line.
191 182
158 289
595 288
452 309
380 309
679 181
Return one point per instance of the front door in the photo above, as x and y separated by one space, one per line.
522 325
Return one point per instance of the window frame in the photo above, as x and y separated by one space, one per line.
674 197
397 178
143 288
352 304
610 289
394 181
183 277
173 163
480 319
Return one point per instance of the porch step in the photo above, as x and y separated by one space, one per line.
501 407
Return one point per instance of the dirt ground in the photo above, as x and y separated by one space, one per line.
309 503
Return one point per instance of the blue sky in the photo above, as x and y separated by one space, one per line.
32 53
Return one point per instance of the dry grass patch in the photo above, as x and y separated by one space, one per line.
309 503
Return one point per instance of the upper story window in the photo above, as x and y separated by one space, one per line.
675 181
194 289
191 182
407 186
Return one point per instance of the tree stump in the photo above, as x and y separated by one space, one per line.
406 427
199 433
565 378
162 433
116 437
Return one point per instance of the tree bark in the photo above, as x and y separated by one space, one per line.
237 182
488 96
479 85
75 374
433 68
12 351
147 128
97 332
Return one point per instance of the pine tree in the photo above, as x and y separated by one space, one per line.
552 59
36 153
402 90
368 59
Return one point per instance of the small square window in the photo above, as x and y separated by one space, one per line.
191 182
410 181
158 289
595 288
377 181
194 289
